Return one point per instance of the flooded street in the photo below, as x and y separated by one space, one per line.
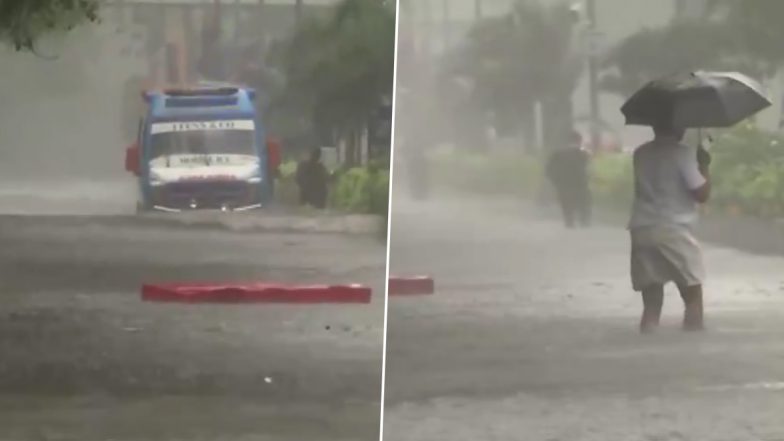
84 358
110 106
532 334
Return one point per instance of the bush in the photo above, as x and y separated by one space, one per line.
354 190
748 171
351 191
286 189
361 190
747 174
496 173
379 194
612 180
288 169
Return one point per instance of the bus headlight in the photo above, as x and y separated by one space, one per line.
254 177
155 179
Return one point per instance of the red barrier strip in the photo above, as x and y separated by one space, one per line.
255 293
411 286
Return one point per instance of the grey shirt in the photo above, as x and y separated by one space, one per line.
666 173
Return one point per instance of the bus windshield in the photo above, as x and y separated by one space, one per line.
201 139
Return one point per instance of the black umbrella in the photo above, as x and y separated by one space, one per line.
698 99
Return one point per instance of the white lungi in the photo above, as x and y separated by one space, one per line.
663 254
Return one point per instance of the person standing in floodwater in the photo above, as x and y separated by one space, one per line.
567 169
670 180
312 179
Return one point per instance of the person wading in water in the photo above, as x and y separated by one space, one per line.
670 181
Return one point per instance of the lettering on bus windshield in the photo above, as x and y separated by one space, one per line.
202 159
202 125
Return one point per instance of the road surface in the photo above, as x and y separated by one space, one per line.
532 335
84 359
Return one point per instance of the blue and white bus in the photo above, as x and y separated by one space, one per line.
201 148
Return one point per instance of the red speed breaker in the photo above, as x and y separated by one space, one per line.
411 286
255 293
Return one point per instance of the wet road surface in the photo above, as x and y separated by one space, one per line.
532 335
82 358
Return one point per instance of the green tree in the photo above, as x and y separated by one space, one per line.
756 26
339 68
23 22
678 47
74 60
733 35
519 59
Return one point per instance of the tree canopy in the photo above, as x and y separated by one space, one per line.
756 27
521 57
681 46
733 35
339 68
529 55
23 22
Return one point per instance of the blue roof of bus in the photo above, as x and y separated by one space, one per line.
207 100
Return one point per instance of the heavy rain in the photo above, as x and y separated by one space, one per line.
176 261
525 188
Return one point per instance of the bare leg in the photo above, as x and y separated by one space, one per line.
693 314
653 299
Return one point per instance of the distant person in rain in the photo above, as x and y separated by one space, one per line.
670 180
567 169
312 179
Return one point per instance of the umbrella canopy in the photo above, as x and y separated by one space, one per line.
698 99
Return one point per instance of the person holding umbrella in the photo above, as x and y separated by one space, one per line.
671 179
669 182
